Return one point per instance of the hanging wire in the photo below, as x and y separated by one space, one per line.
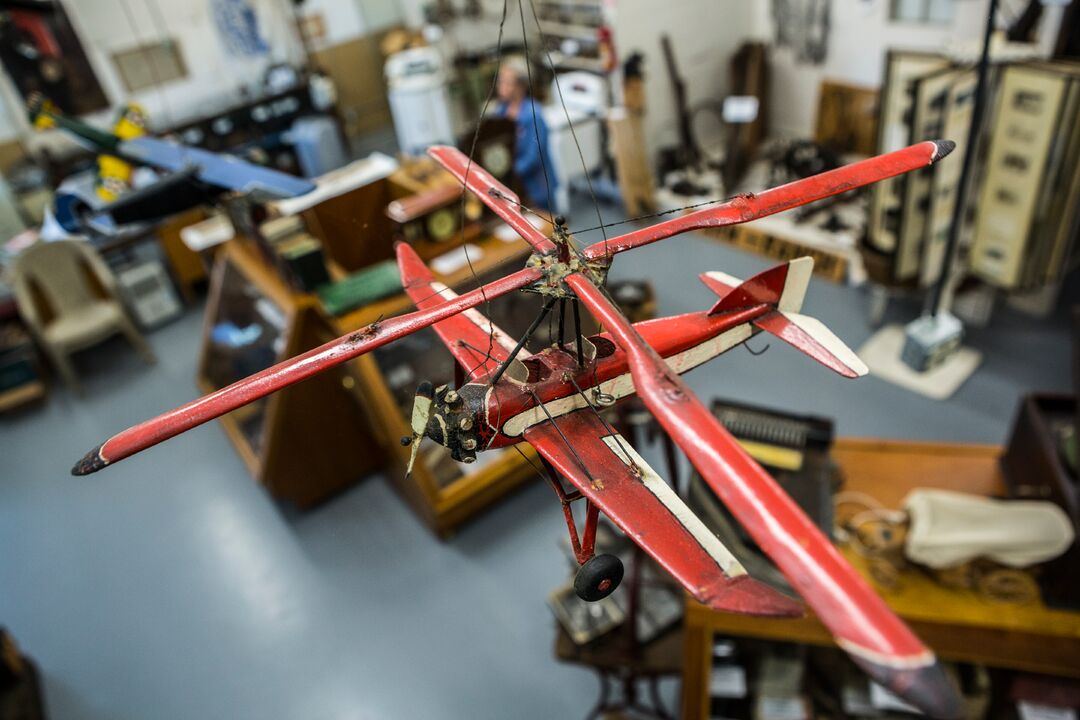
465 180
562 435
570 124
532 104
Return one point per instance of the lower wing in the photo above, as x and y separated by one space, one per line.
607 471
475 342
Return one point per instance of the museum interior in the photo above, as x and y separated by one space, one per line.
603 359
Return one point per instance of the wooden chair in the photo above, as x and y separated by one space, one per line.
68 297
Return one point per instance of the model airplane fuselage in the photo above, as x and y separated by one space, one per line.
480 416
194 176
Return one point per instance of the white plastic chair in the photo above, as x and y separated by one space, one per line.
69 298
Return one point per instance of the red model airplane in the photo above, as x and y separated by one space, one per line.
552 400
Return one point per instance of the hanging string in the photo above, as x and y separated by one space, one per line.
570 124
465 180
532 104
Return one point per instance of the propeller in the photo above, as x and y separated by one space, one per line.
421 413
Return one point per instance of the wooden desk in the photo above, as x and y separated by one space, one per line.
957 625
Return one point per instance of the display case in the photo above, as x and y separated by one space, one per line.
441 491
306 442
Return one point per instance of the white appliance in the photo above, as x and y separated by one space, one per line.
419 102
318 145
149 293
585 96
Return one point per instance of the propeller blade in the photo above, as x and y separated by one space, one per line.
421 413
858 618
752 207
286 373
501 199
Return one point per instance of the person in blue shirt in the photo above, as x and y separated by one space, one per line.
516 104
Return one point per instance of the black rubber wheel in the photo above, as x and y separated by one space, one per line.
598 577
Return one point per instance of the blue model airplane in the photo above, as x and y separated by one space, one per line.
193 176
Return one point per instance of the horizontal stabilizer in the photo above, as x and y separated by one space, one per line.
812 337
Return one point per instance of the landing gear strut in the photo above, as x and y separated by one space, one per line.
598 575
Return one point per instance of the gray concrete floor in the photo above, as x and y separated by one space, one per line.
172 587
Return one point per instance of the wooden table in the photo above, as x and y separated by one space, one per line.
958 625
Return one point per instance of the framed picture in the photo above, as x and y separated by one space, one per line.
902 67
42 54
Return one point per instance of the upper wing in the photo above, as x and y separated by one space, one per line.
474 341
751 207
288 372
223 171
492 193
619 482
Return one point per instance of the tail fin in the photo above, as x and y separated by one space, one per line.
784 288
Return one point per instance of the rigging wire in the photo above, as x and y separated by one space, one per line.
558 429
465 180
614 433
650 215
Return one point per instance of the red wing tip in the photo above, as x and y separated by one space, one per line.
941 149
927 687
747 596
91 462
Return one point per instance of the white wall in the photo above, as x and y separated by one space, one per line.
704 35
860 34
215 78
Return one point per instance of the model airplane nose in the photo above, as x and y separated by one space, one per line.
926 687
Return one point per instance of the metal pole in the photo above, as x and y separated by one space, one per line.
969 163
524 339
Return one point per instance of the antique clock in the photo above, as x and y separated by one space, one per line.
435 217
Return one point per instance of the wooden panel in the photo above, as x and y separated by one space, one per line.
356 67
353 227
186 265
315 439
318 443
847 118
632 163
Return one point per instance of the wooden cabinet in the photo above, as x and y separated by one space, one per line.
442 492
308 441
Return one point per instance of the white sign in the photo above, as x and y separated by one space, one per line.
740 108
